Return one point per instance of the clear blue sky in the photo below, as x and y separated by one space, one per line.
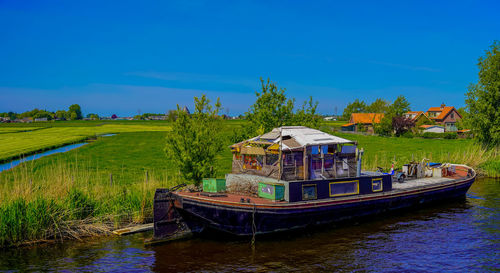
124 56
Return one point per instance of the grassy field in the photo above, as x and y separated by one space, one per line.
20 143
110 182
383 151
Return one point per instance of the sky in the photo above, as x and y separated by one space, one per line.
126 57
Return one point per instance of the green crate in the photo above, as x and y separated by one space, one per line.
214 185
271 191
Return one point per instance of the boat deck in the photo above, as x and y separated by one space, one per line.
408 185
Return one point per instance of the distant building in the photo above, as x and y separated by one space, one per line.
185 109
418 117
363 122
331 118
447 116
41 119
432 128
160 117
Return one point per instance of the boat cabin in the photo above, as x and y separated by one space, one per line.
295 153
302 163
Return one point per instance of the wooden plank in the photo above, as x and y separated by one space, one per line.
134 229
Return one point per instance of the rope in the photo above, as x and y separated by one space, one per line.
254 227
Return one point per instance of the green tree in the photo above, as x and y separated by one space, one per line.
195 140
271 109
307 116
172 115
93 116
378 106
483 99
400 106
356 106
393 117
61 114
75 108
73 116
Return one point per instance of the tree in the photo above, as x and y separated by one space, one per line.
172 115
195 140
61 114
483 99
306 116
93 116
378 106
400 106
356 106
393 121
401 125
271 109
75 108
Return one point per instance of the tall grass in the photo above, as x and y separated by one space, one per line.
69 202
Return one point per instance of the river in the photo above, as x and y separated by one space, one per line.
463 236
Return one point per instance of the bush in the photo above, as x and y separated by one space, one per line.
407 134
450 135
446 135
432 135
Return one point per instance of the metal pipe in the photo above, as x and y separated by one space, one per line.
358 169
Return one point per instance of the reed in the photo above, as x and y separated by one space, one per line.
71 201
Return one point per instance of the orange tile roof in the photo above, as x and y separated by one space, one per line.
444 111
426 126
366 117
347 124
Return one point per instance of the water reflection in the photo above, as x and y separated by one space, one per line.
457 237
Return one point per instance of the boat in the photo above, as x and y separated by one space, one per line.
296 177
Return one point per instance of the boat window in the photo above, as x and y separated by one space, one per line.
377 184
309 192
344 188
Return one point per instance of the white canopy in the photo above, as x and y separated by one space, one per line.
302 136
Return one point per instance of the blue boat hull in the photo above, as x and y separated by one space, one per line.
249 219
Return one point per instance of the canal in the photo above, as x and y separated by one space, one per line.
462 236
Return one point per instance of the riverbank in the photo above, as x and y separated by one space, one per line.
455 237
110 183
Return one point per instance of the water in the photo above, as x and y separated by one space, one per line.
12 164
462 236
63 149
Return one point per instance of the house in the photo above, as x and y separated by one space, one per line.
160 117
362 122
446 116
418 117
330 118
432 128
41 119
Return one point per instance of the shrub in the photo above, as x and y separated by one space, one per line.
407 134
450 135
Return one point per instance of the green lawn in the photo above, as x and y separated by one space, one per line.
23 143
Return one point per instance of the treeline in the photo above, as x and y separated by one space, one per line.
74 112
359 106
